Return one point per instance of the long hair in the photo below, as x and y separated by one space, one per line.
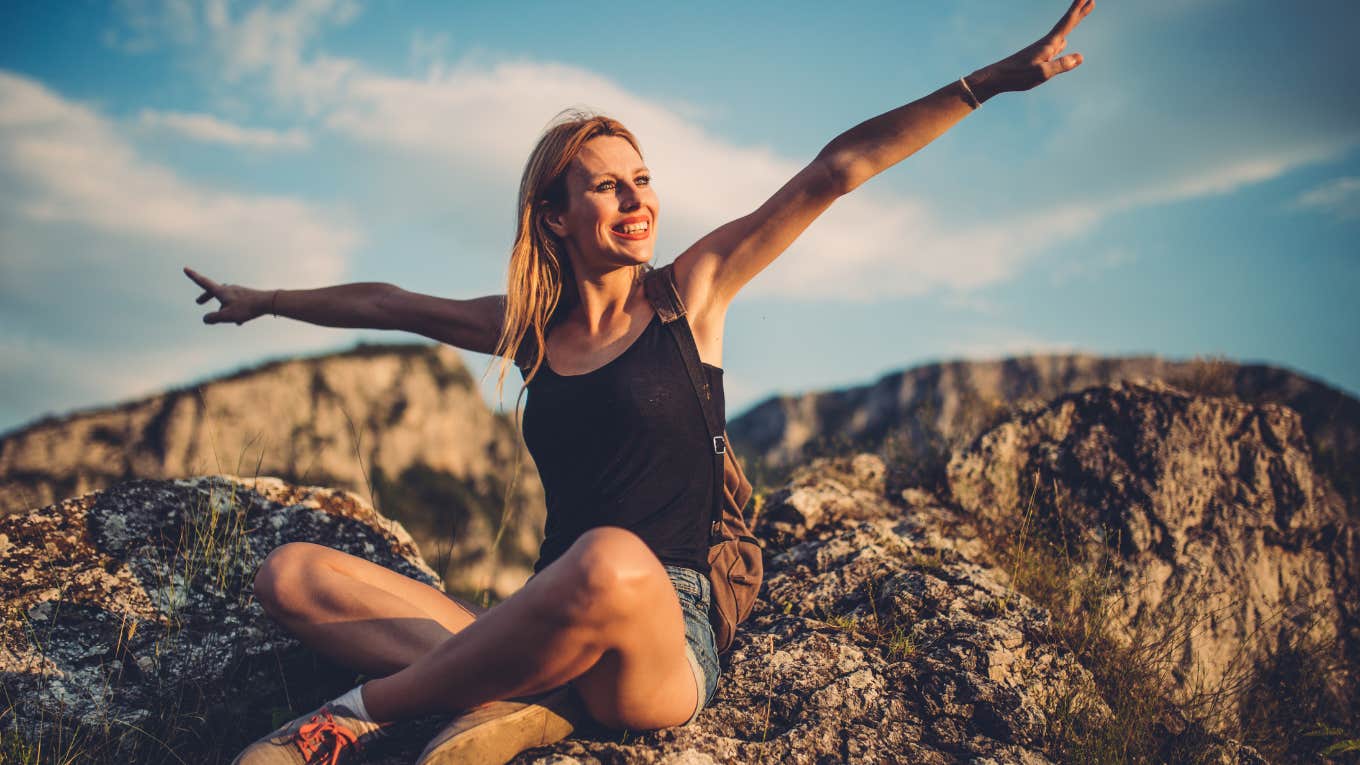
541 288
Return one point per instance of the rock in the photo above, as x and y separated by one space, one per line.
138 613
918 416
1209 510
881 634
402 425
827 491
869 644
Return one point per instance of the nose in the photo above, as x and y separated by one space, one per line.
629 197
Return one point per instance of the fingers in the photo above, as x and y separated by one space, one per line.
1059 65
205 297
200 279
213 318
1078 11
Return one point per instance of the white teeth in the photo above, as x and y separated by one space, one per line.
633 228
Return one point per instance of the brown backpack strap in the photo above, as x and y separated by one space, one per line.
659 284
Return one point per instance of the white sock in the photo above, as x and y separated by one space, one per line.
353 699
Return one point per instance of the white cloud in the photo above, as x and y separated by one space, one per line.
1339 197
480 120
1088 264
1230 176
147 23
67 164
485 119
210 129
92 237
998 342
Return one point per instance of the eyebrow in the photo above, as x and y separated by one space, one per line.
598 176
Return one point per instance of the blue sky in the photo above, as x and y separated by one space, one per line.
1192 189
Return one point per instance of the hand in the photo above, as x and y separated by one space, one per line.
1035 64
239 304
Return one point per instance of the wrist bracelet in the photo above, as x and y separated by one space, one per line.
972 99
272 302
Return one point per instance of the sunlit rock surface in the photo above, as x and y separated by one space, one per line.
403 426
1208 508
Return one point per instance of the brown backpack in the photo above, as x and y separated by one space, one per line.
734 557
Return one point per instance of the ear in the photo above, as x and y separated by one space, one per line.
554 220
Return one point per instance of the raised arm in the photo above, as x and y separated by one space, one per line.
472 324
720 264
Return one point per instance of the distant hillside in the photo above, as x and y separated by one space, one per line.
916 417
403 424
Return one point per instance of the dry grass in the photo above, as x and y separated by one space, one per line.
1291 707
1212 375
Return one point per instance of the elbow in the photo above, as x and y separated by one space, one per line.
843 171
386 306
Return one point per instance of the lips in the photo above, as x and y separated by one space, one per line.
635 228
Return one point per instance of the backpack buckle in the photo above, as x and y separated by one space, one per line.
719 445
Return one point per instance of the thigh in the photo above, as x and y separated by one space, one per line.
644 680
451 613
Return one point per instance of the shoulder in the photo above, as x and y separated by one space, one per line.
704 312
693 278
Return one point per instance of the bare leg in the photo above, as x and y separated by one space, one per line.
604 614
358 613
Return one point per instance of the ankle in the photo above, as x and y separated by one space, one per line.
354 701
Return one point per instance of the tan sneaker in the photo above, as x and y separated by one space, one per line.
331 735
493 733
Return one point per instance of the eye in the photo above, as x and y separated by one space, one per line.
644 180
605 186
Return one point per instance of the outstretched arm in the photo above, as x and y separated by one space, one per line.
472 324
720 264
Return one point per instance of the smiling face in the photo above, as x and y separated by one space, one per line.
611 210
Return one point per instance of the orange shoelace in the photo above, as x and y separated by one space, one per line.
316 733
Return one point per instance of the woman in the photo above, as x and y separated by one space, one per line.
619 613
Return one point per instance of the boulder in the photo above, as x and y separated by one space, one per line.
130 623
1208 509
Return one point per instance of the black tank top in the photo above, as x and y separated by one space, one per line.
626 445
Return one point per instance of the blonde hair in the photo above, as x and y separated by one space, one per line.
541 289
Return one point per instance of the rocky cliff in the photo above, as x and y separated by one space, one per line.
402 425
918 417
1208 514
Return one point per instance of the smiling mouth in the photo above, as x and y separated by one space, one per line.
632 231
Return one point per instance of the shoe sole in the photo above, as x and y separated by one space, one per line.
499 739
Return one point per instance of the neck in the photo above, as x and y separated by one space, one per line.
604 296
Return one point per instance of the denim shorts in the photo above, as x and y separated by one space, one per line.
695 592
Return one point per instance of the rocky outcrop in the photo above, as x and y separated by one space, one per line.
917 417
879 637
130 625
875 640
1208 509
404 426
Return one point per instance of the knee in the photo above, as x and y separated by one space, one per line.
280 582
611 569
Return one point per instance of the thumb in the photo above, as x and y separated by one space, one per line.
213 318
